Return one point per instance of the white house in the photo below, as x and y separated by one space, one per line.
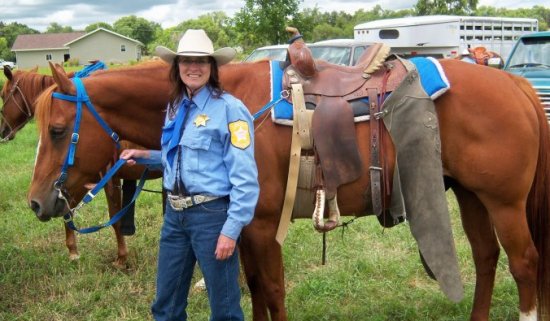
100 44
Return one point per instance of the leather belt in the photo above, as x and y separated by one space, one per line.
179 202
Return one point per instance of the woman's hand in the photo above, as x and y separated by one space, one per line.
225 247
129 154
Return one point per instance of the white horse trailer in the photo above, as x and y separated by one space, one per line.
445 36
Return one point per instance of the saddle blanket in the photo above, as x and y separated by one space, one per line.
432 78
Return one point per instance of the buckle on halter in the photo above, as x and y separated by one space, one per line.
62 178
68 217
115 137
74 138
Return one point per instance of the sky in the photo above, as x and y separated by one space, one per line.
38 14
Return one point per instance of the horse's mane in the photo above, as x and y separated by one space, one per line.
32 82
44 101
140 67
43 107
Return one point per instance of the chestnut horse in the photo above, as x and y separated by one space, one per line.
494 140
19 94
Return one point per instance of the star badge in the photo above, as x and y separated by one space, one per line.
201 120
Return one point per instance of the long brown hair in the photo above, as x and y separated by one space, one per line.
179 88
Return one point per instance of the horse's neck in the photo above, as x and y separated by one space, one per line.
33 85
249 82
133 105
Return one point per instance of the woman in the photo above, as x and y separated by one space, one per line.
211 178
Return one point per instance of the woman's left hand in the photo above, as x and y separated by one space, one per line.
225 247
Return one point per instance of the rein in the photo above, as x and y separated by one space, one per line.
68 218
26 110
82 97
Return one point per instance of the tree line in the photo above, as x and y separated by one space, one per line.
262 22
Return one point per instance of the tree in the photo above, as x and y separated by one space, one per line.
10 32
5 52
136 28
94 26
262 22
216 24
452 7
55 27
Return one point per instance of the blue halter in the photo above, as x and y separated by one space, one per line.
82 97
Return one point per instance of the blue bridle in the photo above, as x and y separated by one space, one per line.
82 97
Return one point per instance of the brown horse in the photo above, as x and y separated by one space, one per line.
19 94
494 149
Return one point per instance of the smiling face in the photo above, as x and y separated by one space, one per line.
194 71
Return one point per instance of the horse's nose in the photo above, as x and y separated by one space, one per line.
36 208
4 132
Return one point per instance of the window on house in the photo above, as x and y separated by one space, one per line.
122 48
48 57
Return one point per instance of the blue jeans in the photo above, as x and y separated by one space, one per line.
186 237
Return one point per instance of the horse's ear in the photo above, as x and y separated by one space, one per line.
35 69
63 82
7 72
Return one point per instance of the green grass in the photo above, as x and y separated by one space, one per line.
371 273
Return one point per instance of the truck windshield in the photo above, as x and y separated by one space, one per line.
335 55
271 54
531 52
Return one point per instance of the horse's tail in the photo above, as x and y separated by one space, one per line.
538 204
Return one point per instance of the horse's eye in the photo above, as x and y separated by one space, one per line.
58 132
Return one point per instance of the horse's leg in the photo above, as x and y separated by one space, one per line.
114 202
485 249
262 259
70 242
510 223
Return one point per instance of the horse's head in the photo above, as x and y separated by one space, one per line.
18 94
51 193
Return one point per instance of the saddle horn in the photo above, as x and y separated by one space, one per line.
300 55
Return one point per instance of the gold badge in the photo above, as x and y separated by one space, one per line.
201 120
240 135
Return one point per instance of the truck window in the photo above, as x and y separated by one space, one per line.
332 54
357 53
531 51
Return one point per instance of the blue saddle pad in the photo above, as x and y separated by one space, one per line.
432 77
431 73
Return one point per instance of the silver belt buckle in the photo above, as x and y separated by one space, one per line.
176 202
187 202
179 203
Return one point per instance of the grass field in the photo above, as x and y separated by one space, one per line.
371 274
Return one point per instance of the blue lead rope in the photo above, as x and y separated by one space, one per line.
91 195
86 71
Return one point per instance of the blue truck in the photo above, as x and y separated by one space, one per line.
530 58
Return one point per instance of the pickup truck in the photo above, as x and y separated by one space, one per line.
343 52
6 63
530 58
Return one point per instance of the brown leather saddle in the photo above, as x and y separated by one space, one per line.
331 88
481 56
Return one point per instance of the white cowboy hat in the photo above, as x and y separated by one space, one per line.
196 43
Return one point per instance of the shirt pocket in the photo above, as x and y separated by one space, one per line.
195 149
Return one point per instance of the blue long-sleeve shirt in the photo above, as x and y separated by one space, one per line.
217 156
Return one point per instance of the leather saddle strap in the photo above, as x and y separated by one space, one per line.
375 165
299 109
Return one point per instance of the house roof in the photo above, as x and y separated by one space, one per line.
105 30
45 40
57 40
